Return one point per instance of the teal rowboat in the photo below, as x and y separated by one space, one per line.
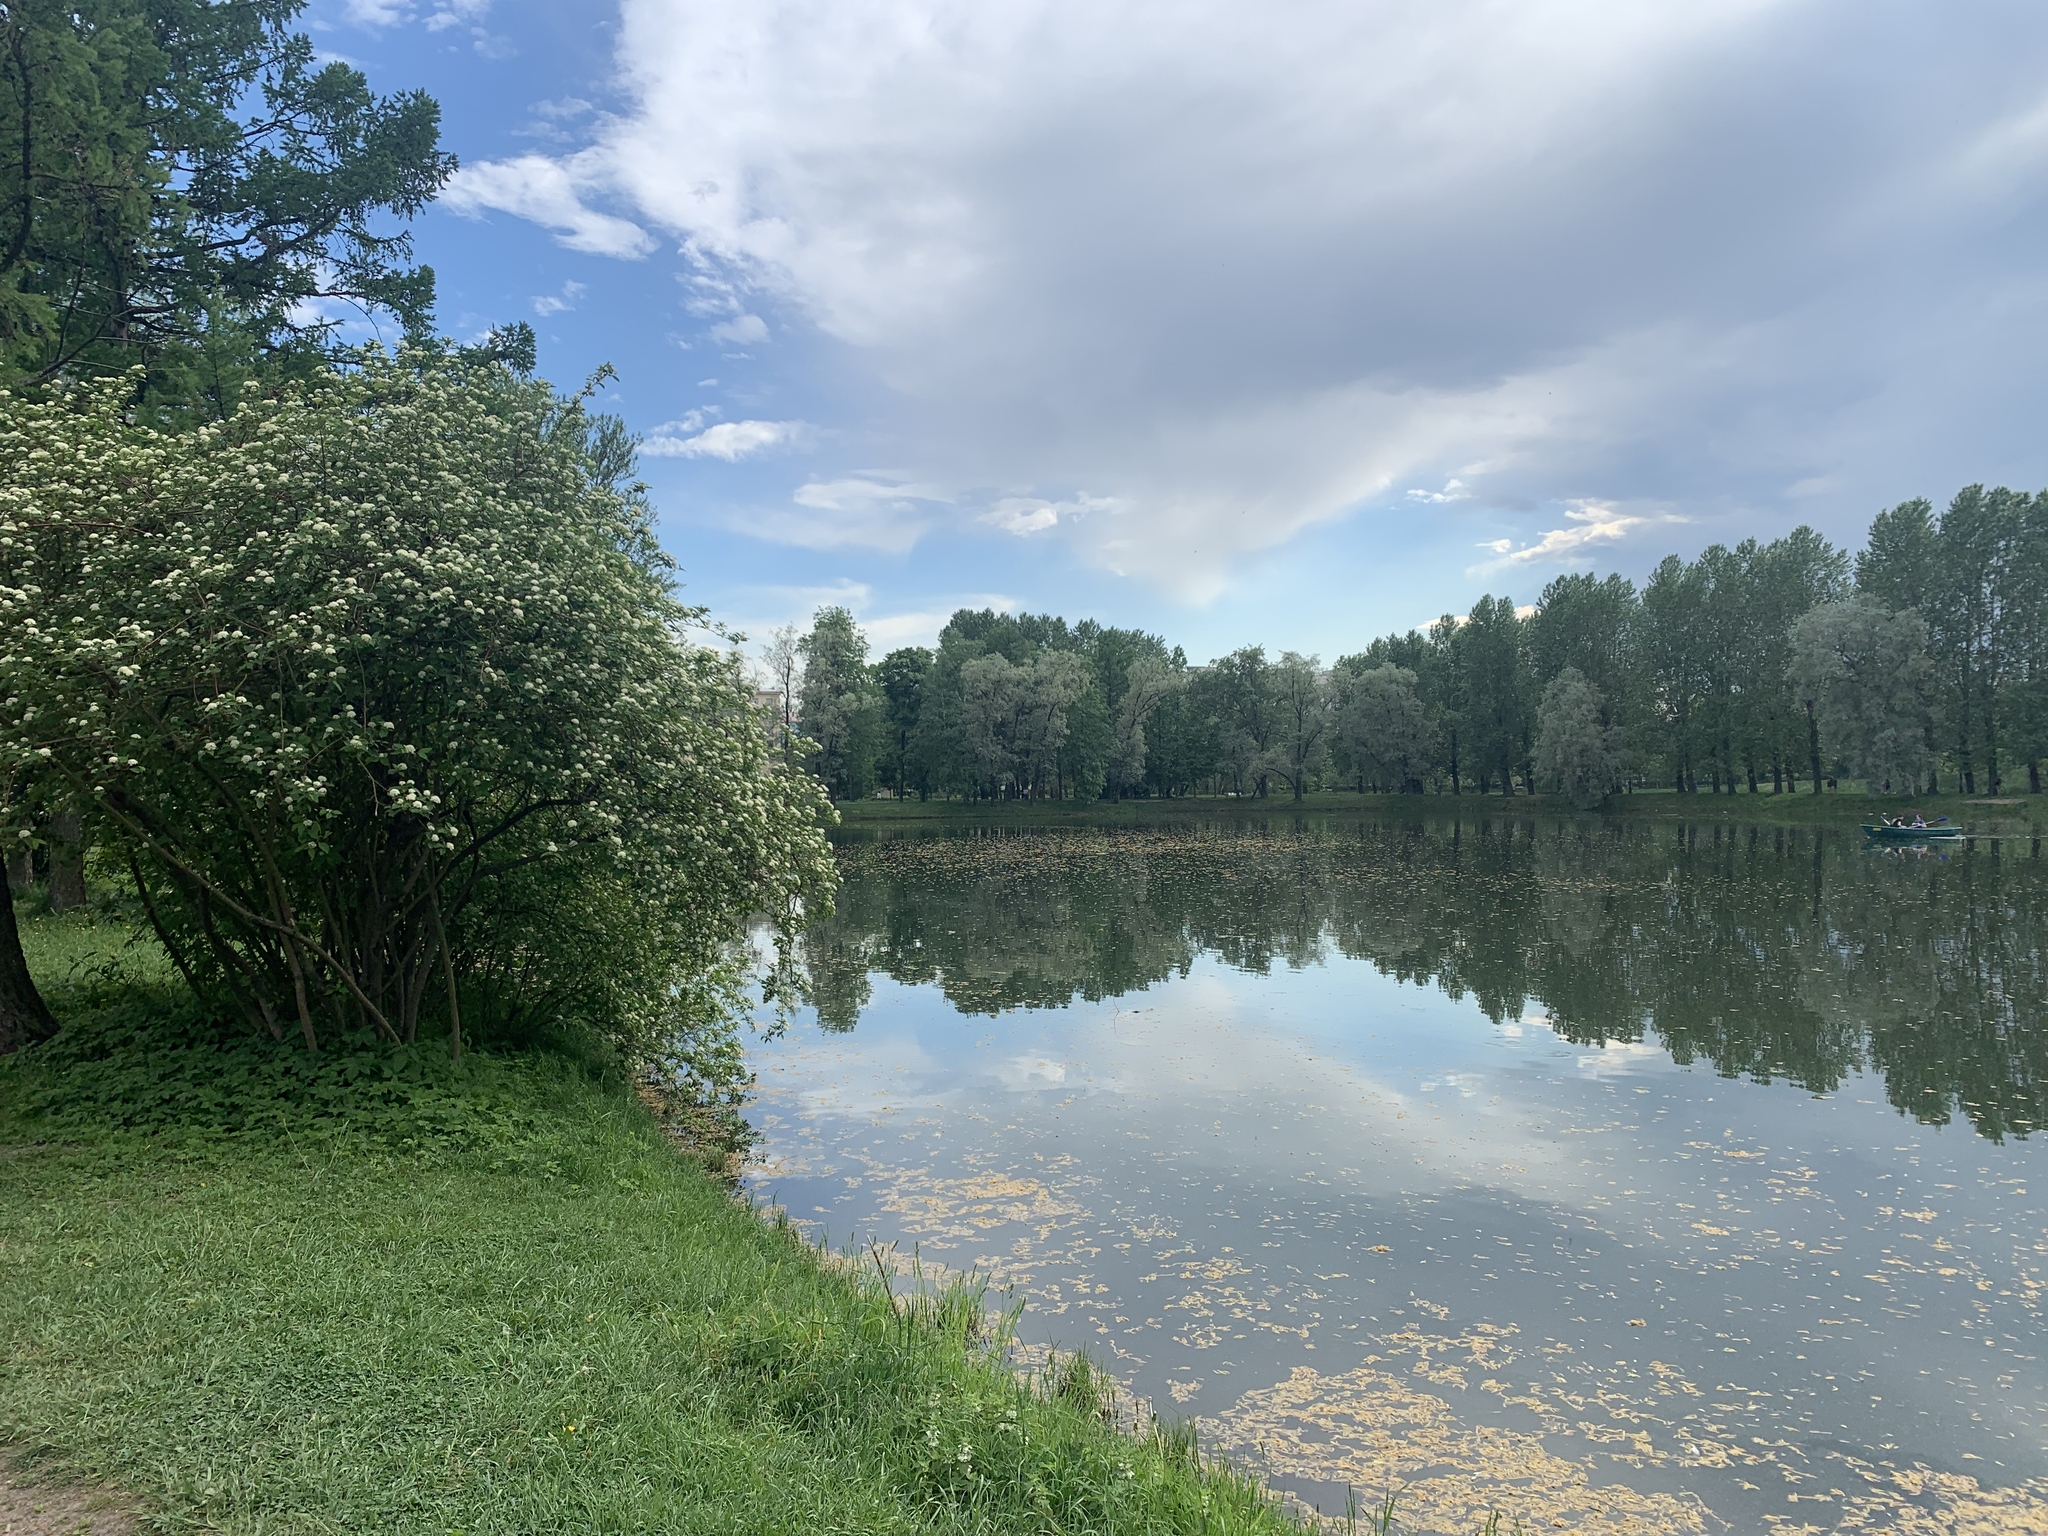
1886 834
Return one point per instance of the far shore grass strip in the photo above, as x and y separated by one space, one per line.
2003 815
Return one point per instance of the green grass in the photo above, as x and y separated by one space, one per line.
1847 808
402 1297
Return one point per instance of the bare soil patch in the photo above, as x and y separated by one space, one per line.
36 1506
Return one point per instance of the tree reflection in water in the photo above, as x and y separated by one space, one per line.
1777 954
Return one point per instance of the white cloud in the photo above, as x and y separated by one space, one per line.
1023 515
1590 523
728 440
1454 490
545 191
546 304
741 331
449 13
858 511
851 495
1240 277
454 13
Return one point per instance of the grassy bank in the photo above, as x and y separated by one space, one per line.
2009 814
384 1294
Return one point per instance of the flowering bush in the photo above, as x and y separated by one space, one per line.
381 690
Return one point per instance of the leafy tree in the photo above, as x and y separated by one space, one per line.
1900 568
1237 690
1494 714
1968 576
1148 682
1674 613
901 676
1589 623
1441 681
1181 746
989 700
1786 578
1867 670
783 659
841 708
1595 624
1380 731
2025 701
1301 707
1055 685
185 187
1577 751
380 690
1980 535
1898 563
1080 763
1013 719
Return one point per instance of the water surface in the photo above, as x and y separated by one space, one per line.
1632 1178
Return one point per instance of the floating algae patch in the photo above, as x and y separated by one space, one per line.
1372 1430
1919 1503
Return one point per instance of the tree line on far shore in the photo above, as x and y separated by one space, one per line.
1919 664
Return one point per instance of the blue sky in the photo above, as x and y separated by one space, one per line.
1291 324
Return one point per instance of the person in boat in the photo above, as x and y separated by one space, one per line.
1919 819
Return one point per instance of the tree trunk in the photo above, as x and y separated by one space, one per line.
1966 766
1813 744
67 863
1992 781
20 873
24 1016
2034 776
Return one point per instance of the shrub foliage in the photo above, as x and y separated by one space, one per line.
382 691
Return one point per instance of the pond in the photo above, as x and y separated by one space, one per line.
1616 1176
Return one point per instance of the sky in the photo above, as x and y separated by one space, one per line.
1292 324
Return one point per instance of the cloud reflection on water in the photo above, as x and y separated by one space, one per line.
1281 1176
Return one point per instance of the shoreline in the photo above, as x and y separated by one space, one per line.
2004 815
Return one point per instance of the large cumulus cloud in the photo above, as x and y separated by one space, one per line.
1175 282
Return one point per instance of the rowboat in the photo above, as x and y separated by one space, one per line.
1885 834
